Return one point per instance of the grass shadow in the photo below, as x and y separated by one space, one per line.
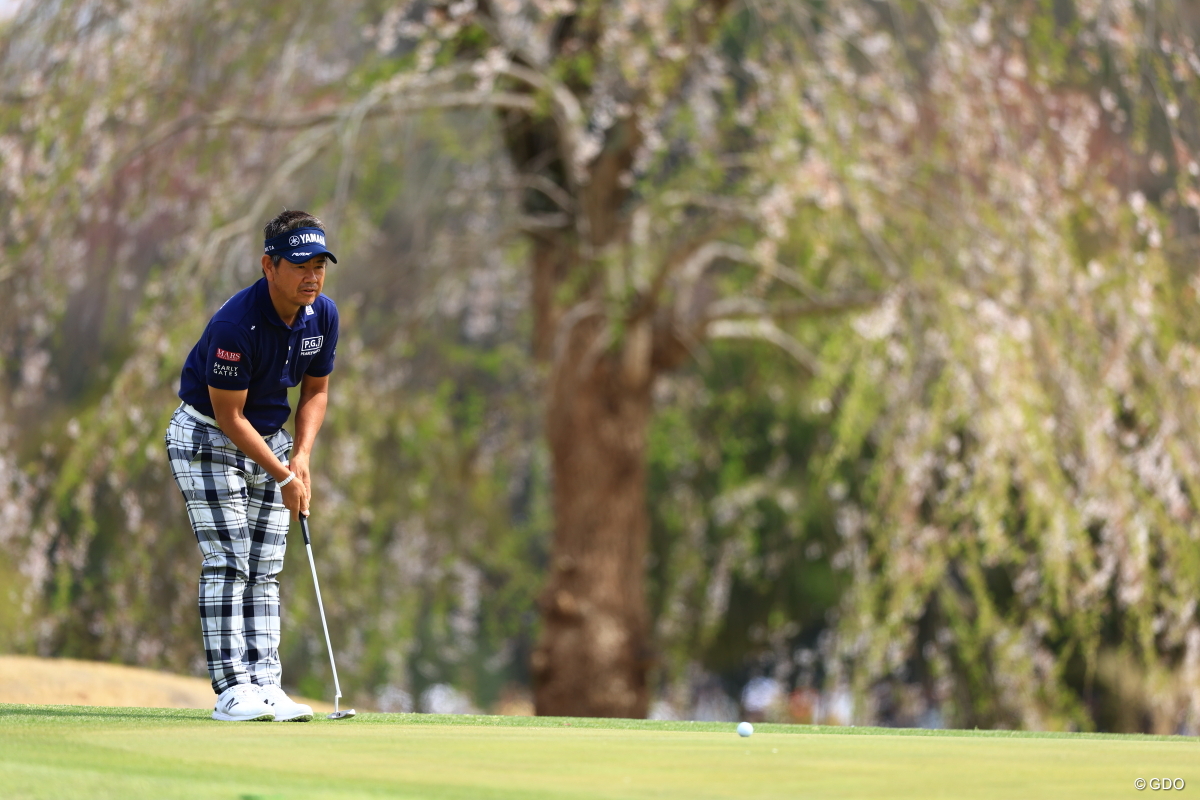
102 712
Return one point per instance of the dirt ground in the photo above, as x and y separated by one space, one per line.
65 681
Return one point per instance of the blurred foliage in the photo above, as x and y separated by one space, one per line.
736 499
987 496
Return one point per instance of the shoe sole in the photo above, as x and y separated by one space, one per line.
299 718
219 717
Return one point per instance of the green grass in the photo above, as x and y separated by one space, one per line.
85 752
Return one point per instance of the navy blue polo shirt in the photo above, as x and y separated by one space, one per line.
247 346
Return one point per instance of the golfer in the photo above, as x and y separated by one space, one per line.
240 472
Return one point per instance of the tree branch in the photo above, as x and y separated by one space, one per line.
447 100
351 114
567 112
734 307
679 261
711 202
575 315
422 93
552 190
532 223
877 246
696 265
492 19
708 254
764 330
301 150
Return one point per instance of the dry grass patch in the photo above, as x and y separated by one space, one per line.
30 680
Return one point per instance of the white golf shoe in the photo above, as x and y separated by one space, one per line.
242 702
285 709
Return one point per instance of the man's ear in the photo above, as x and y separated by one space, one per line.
267 262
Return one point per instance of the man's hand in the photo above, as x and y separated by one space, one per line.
295 497
299 465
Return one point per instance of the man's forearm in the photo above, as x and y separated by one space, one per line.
310 414
249 441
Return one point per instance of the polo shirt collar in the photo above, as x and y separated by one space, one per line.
263 297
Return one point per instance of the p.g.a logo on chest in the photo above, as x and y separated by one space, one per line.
311 345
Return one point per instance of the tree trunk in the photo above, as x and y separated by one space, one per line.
593 656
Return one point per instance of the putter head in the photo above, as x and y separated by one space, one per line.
347 714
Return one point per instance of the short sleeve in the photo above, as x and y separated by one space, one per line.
227 361
322 363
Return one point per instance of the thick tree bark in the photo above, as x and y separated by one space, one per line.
549 260
594 652
593 656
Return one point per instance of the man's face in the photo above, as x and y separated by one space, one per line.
298 283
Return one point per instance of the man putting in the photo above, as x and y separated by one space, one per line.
230 455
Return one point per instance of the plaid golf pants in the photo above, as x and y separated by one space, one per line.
241 524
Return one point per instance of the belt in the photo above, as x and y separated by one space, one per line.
196 415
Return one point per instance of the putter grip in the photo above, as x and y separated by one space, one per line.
304 528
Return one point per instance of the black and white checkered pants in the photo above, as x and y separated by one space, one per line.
241 524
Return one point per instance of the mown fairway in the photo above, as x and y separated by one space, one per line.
85 752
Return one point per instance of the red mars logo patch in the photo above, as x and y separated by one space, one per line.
228 356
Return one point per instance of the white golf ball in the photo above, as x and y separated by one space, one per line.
745 729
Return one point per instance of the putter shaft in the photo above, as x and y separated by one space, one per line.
324 626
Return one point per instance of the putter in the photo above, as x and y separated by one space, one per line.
337 689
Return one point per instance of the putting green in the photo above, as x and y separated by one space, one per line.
86 752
